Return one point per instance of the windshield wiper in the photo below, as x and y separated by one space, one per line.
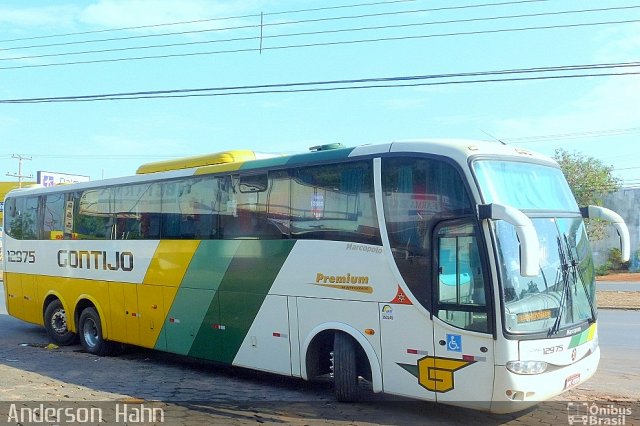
569 274
577 271
563 274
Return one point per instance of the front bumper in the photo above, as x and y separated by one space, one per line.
515 392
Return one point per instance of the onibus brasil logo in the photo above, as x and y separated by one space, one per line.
584 413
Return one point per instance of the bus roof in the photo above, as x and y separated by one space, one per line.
459 150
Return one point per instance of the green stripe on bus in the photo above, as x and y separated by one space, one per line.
576 340
209 264
196 294
183 321
581 338
264 163
320 156
246 283
298 159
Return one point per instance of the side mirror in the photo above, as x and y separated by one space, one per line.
529 245
597 212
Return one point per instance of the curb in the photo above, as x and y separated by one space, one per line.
619 308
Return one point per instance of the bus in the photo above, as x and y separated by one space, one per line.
451 271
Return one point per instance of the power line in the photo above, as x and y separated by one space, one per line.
362 83
609 191
343 30
607 185
573 135
200 21
122 49
370 80
327 89
260 25
628 168
20 175
415 37
332 43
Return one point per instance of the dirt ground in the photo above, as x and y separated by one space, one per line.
618 299
620 276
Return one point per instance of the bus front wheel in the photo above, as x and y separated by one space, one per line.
345 373
55 322
90 331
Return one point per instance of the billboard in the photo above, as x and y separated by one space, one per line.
51 178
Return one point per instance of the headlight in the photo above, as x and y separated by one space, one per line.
527 367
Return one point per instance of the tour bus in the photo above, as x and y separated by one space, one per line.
450 271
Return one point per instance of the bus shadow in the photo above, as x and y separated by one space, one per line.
218 392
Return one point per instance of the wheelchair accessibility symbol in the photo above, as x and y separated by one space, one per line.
454 343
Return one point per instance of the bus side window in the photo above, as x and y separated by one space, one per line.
417 194
30 219
334 202
150 226
53 225
12 220
250 219
460 295
188 208
279 202
93 219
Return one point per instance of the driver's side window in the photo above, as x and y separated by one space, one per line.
461 298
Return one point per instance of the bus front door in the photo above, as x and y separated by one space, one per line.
462 367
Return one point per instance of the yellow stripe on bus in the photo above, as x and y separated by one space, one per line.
153 304
592 332
160 286
170 262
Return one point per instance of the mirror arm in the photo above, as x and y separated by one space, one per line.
597 212
526 232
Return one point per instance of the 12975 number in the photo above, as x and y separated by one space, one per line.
21 256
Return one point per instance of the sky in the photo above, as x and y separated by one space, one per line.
284 42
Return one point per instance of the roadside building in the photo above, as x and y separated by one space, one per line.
625 202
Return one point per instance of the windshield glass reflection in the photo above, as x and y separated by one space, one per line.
563 293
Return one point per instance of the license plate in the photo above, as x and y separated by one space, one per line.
572 380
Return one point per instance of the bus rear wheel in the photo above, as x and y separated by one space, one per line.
55 322
345 373
90 332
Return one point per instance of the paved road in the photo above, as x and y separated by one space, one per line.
619 369
31 372
617 286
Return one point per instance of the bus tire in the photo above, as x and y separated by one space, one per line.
90 332
55 322
345 373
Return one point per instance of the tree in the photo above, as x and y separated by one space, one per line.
589 179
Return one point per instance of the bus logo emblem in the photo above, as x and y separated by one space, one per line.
436 373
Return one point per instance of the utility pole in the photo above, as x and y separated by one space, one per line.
19 175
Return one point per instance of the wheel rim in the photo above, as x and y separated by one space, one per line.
90 332
59 321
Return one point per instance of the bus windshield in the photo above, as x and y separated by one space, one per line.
525 186
563 293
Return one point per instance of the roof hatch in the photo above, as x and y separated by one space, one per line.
224 157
